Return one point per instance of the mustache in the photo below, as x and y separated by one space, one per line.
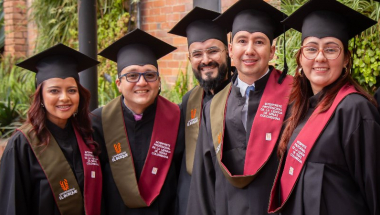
211 64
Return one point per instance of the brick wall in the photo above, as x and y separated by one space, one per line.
32 33
15 23
158 17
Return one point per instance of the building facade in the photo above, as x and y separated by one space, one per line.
157 18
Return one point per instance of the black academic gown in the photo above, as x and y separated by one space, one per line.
139 134
184 177
24 188
342 173
377 97
210 191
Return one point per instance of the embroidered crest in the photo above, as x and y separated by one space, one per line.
117 148
219 143
193 113
193 117
64 185
66 191
219 138
119 155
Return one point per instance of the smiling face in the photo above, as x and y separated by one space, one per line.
208 59
251 53
321 71
61 99
140 95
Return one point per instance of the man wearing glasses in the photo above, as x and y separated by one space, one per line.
208 55
235 161
139 132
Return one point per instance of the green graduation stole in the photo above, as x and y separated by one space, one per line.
265 128
166 123
300 150
61 178
193 121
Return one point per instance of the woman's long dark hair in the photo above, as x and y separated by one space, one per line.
302 91
37 118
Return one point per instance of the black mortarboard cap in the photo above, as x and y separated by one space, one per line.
136 48
198 26
59 61
253 16
328 18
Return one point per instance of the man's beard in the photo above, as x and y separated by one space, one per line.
211 83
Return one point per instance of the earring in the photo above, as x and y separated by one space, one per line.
300 71
42 105
75 113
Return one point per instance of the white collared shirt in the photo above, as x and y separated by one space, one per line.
243 87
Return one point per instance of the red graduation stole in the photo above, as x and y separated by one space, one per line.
92 178
300 150
166 123
193 122
64 186
265 128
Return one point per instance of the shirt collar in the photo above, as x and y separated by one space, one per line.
243 86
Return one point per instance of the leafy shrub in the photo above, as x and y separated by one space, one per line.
16 87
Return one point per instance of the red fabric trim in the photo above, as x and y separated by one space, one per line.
161 150
300 150
92 193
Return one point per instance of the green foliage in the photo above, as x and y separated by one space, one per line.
112 25
16 87
365 48
181 85
57 21
366 65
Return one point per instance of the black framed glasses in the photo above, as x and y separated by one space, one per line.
311 52
134 77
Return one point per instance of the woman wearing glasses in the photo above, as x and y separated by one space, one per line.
330 147
138 132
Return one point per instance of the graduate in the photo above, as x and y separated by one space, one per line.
330 147
235 160
50 164
208 55
139 132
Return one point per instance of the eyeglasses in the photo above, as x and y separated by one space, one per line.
213 53
330 53
134 77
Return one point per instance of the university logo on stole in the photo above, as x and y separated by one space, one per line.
64 185
193 117
66 191
193 113
117 148
119 155
219 143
